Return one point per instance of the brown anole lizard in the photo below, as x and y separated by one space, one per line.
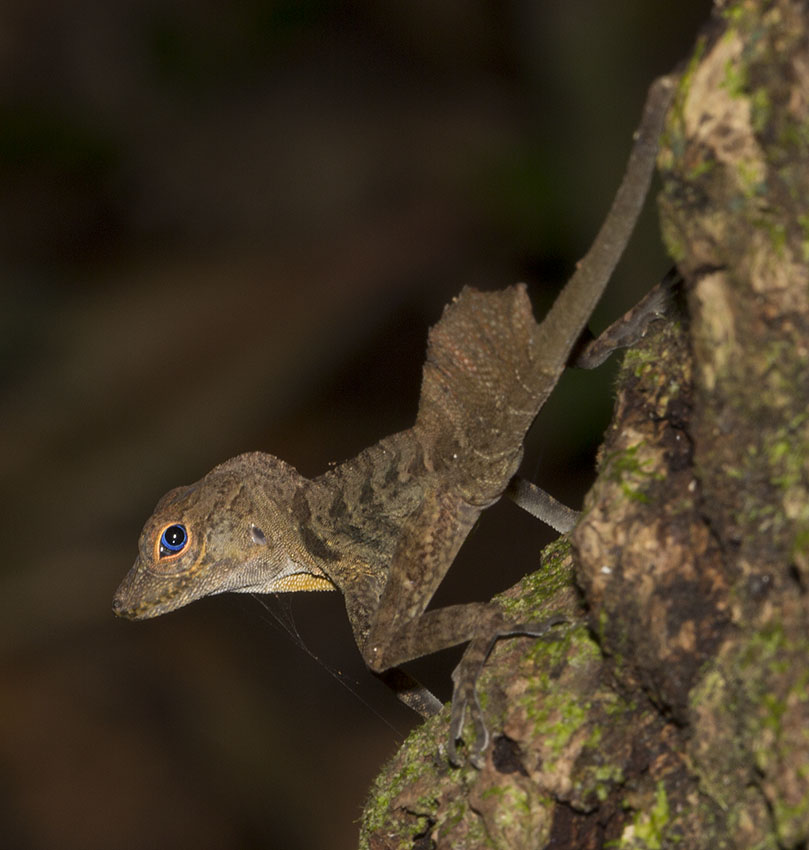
384 527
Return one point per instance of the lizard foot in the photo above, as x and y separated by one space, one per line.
465 696
465 677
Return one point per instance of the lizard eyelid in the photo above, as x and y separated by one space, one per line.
258 535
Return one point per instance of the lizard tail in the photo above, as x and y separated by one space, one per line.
480 390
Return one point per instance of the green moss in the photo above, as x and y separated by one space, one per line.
733 14
700 168
774 681
803 221
718 756
750 178
735 79
536 590
764 647
650 826
605 778
675 245
389 784
785 449
603 621
760 107
631 472
428 812
512 799
561 714
637 361
784 813
558 714
775 230
517 812
456 814
800 544
745 22
672 137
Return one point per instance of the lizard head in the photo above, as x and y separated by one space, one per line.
224 533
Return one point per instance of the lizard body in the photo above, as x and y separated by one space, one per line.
384 527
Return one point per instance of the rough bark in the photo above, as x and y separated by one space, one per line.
674 713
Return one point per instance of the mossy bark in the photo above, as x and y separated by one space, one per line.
675 711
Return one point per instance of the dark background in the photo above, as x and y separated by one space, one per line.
227 227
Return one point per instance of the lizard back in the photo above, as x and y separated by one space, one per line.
482 386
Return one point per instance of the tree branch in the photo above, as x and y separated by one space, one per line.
674 711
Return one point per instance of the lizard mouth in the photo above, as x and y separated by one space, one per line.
140 597
137 612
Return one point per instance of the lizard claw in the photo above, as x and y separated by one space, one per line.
465 696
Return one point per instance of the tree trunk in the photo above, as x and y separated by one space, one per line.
674 712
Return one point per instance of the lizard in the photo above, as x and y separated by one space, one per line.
385 526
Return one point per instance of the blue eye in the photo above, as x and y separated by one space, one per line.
173 540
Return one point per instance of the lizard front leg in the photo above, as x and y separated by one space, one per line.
480 623
622 333
402 630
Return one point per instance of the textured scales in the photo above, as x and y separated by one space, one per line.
384 527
